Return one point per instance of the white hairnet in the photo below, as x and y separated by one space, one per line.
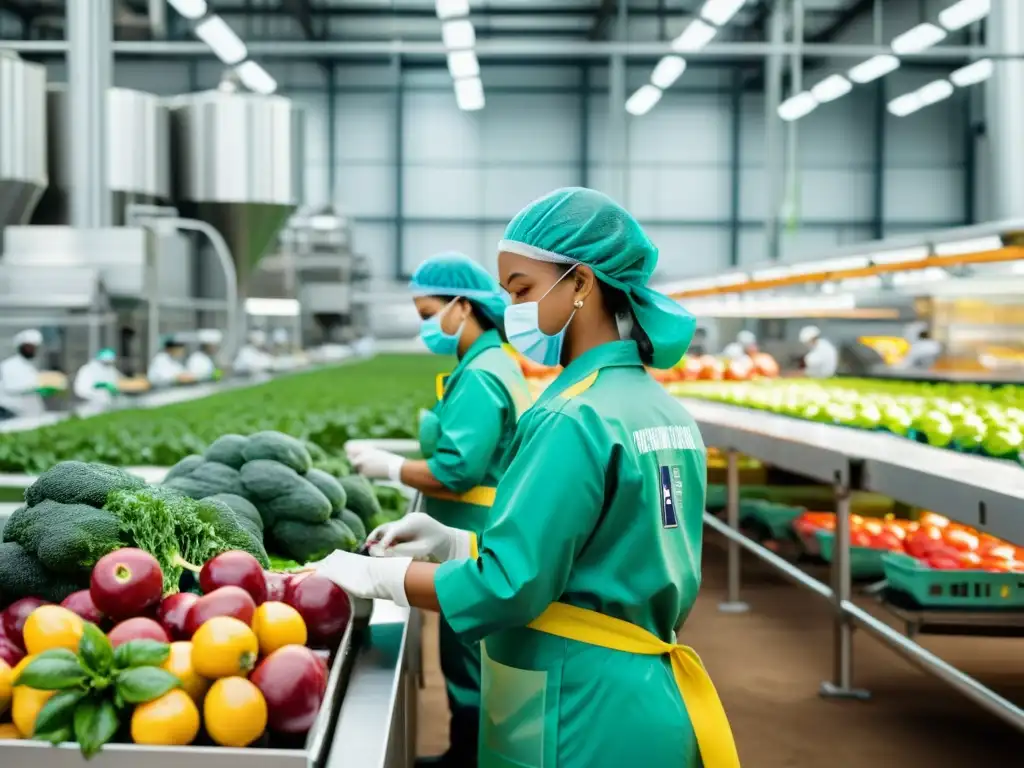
809 333
746 338
209 336
28 336
280 335
257 337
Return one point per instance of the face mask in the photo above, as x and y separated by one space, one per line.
433 335
522 327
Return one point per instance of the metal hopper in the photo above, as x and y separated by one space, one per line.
23 165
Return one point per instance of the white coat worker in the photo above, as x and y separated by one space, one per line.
166 368
822 358
96 381
744 346
279 339
252 357
924 350
200 363
20 393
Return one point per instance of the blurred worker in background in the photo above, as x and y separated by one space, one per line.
744 346
590 560
463 438
19 378
822 359
167 367
201 362
253 357
96 381
699 345
279 340
924 351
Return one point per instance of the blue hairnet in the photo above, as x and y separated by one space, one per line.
455 274
582 226
106 355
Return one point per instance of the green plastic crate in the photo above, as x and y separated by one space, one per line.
953 589
775 518
865 562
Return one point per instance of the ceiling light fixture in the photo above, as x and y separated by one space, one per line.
874 68
795 107
696 35
973 74
667 71
917 39
963 13
643 100
831 88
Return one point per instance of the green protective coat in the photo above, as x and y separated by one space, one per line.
464 439
581 517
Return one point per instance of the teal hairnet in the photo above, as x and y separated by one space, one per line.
106 355
582 226
455 274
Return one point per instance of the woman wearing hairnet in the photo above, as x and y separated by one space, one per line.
590 561
463 439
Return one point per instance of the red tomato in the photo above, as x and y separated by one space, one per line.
860 539
1000 551
765 365
887 540
874 527
996 565
961 540
923 541
944 559
970 560
930 518
896 530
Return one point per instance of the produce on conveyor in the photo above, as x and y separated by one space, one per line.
973 418
63 679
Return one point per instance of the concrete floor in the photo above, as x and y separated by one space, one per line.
767 665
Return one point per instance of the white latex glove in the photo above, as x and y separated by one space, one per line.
420 537
367 577
376 464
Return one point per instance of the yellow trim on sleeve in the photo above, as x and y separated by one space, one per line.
580 386
440 383
481 496
474 546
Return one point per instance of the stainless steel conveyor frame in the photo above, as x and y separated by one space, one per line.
983 493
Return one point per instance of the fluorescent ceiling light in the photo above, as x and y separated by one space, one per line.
935 91
462 64
451 9
190 9
918 38
256 78
696 35
926 275
973 73
963 13
469 94
272 307
895 256
643 100
225 44
795 107
458 34
906 104
874 68
668 71
720 12
831 88
976 245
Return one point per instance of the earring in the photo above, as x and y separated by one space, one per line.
578 303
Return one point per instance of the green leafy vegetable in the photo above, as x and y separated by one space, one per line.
141 684
141 653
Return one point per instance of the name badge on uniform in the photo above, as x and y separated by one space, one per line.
670 480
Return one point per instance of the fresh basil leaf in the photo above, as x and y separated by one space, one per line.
95 724
56 736
95 650
142 684
58 713
141 653
52 674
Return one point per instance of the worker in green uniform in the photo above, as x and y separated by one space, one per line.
590 561
463 440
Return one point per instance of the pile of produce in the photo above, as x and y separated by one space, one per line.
933 540
232 667
269 480
378 398
712 368
972 418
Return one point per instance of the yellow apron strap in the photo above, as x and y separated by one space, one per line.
481 496
710 724
439 384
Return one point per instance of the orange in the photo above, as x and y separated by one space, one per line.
171 720
6 685
235 712
9 731
27 703
179 664
49 627
277 625
224 646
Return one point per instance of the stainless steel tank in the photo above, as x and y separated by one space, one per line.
138 153
237 165
23 166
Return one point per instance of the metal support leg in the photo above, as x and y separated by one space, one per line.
732 511
841 685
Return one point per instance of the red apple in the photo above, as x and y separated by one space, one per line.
226 601
277 585
173 613
14 618
9 652
137 629
81 603
126 583
324 607
235 569
293 682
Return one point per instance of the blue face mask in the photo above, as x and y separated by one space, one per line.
433 335
522 328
